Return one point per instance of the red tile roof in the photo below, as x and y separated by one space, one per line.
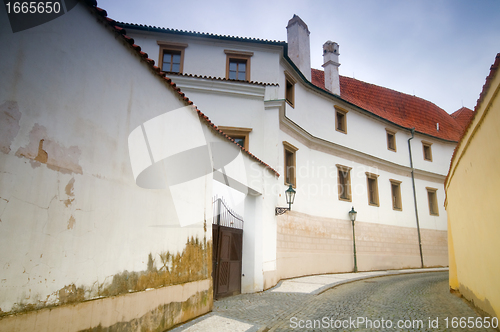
486 86
144 57
463 116
404 110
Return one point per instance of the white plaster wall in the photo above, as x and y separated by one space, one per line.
317 191
316 114
441 155
425 218
206 57
86 90
234 111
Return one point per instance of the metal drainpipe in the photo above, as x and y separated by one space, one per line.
415 197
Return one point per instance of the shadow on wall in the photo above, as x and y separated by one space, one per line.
193 264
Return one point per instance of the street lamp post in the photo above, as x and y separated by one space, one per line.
352 216
290 198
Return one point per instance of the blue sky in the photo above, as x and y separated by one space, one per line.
439 50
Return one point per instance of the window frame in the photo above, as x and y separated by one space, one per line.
396 197
238 55
341 186
287 147
389 133
433 202
290 93
237 132
343 112
427 145
374 177
170 46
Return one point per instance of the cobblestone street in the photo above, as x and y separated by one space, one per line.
414 301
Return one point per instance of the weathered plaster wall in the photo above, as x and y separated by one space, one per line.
150 310
472 192
74 226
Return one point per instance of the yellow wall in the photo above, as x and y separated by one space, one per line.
473 205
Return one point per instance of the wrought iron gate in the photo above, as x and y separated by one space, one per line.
227 237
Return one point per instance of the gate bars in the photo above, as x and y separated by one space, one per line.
224 216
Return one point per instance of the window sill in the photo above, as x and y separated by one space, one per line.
341 131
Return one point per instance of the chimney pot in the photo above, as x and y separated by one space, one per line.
331 64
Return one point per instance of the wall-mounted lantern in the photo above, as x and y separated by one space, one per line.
352 216
290 197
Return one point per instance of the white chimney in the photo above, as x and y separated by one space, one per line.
298 45
331 65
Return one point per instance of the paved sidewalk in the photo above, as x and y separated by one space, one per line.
251 312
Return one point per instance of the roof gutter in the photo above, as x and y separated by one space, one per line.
412 130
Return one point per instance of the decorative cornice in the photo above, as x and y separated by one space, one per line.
220 87
318 144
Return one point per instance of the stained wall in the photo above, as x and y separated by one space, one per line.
80 240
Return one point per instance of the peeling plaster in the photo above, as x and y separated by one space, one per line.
71 222
194 263
43 149
69 187
164 316
9 124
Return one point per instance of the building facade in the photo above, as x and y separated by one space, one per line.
340 142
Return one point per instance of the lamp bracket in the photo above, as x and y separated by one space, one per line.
280 210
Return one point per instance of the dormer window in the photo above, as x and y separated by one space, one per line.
171 56
238 65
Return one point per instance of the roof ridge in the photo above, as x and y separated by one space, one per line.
197 33
459 111
489 78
